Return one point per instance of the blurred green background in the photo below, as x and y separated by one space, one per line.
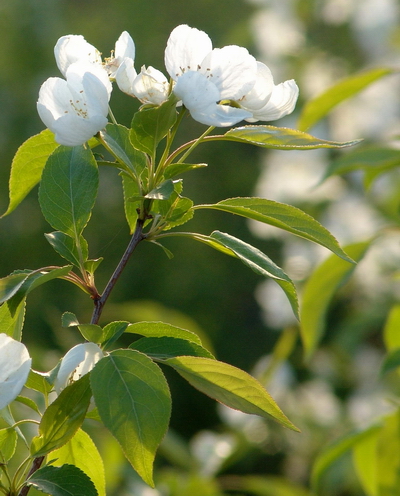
315 42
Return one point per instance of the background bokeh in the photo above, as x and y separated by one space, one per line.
316 42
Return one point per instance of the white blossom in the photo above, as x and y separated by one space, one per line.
150 86
221 87
124 49
15 365
75 109
77 362
74 48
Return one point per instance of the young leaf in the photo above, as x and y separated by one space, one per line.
12 314
283 216
11 284
66 480
181 213
167 347
8 444
253 258
150 126
66 247
279 138
320 106
318 292
62 418
27 166
68 189
160 329
113 331
91 332
229 385
38 381
116 139
162 192
173 170
131 190
69 319
391 333
81 452
134 403
365 459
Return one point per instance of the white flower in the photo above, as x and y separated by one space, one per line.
267 101
15 365
74 48
124 49
151 86
205 76
221 87
75 109
77 362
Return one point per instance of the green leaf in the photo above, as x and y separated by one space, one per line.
12 315
335 451
134 403
66 480
181 212
68 189
69 319
66 247
391 333
131 190
113 331
11 284
151 125
29 403
160 329
91 332
162 192
279 138
391 361
92 265
229 385
365 459
173 170
283 216
27 166
81 452
388 456
116 139
8 444
267 486
319 107
318 292
167 347
38 381
62 418
253 258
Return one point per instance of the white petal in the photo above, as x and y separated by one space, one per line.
15 365
232 69
124 47
260 94
151 86
282 102
219 115
77 362
125 76
186 49
72 48
196 91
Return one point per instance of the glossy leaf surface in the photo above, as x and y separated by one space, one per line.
66 480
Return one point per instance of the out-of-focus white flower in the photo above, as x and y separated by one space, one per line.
75 109
151 86
221 87
15 365
74 48
77 362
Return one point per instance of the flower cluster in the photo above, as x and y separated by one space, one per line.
219 86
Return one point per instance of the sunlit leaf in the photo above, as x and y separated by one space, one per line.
160 329
27 166
173 170
82 452
388 455
320 106
66 480
134 403
391 332
318 293
8 444
113 331
38 381
29 403
131 190
12 315
365 458
229 385
253 258
62 418
162 192
283 216
68 189
167 347
279 138
91 332
66 247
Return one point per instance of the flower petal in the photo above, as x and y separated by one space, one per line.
220 115
125 76
232 69
72 48
196 91
124 47
77 362
282 102
186 49
260 94
15 365
151 86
